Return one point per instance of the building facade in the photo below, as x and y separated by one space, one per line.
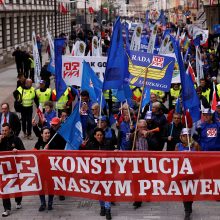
19 18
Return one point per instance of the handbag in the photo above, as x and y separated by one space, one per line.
18 103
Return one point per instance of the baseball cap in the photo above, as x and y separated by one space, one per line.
218 104
206 111
185 131
149 115
104 118
42 81
55 121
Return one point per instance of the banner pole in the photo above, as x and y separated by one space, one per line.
100 110
187 134
129 114
139 110
52 138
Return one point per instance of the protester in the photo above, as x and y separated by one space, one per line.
50 113
171 133
10 142
6 116
41 144
187 144
208 133
18 60
124 133
97 142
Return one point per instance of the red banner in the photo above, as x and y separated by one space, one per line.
112 176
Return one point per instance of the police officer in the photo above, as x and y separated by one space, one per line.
62 103
27 95
43 94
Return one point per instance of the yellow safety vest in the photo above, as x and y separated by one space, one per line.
60 104
207 94
27 96
218 90
174 93
32 63
160 94
106 96
43 96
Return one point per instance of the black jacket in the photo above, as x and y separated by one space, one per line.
176 130
40 144
93 144
58 143
11 142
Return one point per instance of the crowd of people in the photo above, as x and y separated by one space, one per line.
160 125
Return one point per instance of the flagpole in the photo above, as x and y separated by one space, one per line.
129 114
100 110
187 132
139 110
51 139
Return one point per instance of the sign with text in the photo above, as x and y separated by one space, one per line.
112 176
159 74
72 68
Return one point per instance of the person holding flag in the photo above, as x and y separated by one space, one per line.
98 142
42 143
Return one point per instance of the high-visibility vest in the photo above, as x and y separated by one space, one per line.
207 94
160 94
60 104
28 96
32 63
107 96
174 93
43 96
218 90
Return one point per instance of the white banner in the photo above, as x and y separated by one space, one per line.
136 38
51 45
95 46
152 40
72 68
79 48
37 64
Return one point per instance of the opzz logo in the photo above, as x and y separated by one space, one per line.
211 132
157 61
19 174
71 69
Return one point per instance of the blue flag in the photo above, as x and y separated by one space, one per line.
178 106
115 68
92 84
190 98
51 67
60 85
71 130
146 97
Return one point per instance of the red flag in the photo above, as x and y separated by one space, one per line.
40 114
214 99
62 9
191 72
91 10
